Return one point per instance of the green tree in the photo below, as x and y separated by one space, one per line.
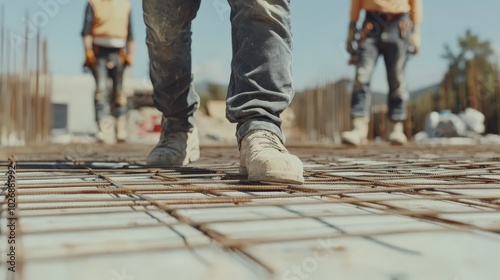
471 76
471 80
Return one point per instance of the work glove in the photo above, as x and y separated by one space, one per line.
415 40
351 38
126 59
129 60
90 60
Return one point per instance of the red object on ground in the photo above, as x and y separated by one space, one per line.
157 124
157 128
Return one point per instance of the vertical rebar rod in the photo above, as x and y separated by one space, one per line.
3 101
8 101
26 115
36 108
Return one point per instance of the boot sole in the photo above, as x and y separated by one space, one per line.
277 177
397 143
195 155
274 177
348 142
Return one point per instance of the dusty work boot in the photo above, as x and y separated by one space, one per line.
106 133
264 159
359 133
121 129
175 149
397 135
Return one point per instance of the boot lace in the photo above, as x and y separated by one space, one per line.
269 140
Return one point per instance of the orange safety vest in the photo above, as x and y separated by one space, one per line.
414 7
111 18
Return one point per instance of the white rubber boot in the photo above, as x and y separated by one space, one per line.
106 132
175 149
397 135
359 133
121 129
264 159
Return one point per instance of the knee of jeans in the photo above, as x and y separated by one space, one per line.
359 86
363 75
167 27
168 44
99 96
100 85
121 99
398 94
167 33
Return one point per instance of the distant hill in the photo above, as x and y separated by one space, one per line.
434 89
381 98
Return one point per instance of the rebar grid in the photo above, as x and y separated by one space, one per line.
85 190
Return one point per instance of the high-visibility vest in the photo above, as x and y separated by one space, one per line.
111 18
414 7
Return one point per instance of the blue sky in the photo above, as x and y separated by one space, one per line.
319 27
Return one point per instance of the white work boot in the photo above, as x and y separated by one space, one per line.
397 135
359 133
264 159
121 129
106 132
175 149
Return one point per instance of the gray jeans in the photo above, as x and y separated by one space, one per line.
385 39
260 85
109 101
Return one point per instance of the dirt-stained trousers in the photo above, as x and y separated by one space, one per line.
260 87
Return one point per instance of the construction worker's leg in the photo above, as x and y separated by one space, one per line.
368 53
105 122
395 55
168 39
119 98
261 84
261 88
101 97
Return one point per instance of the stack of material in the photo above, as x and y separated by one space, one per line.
463 128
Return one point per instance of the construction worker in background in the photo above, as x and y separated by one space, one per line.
109 48
260 87
391 29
